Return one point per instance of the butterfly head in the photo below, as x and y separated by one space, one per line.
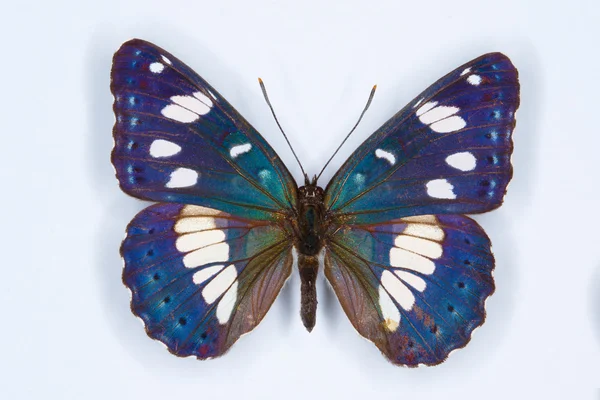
310 193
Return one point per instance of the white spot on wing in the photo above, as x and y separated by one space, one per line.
163 148
397 290
359 179
426 107
182 177
239 149
437 114
205 273
474 80
196 240
417 245
386 155
415 281
166 60
187 108
198 210
211 254
265 176
418 102
192 103
215 288
448 125
464 161
225 307
200 96
194 224
465 71
441 119
440 189
178 113
390 313
401 258
156 67
424 219
426 231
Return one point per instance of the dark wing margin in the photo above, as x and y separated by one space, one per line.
178 140
416 287
447 152
200 278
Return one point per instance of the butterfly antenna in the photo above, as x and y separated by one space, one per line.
264 91
350 133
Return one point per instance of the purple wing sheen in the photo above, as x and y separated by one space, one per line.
447 152
200 278
415 286
178 140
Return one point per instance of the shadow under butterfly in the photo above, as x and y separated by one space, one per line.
411 272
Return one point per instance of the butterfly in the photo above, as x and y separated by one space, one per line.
205 263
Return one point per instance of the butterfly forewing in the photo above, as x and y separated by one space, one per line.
178 140
200 278
415 286
448 151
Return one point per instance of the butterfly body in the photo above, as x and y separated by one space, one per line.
310 241
205 263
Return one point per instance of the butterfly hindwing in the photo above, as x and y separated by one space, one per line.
415 286
178 140
448 151
199 277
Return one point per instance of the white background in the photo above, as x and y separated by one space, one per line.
67 332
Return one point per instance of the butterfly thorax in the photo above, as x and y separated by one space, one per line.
310 219
311 211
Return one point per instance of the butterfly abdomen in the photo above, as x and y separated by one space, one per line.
308 267
309 244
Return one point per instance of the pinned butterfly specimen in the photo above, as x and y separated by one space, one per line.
411 272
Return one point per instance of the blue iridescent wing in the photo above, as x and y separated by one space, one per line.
205 267
411 274
415 286
447 152
178 140
199 277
